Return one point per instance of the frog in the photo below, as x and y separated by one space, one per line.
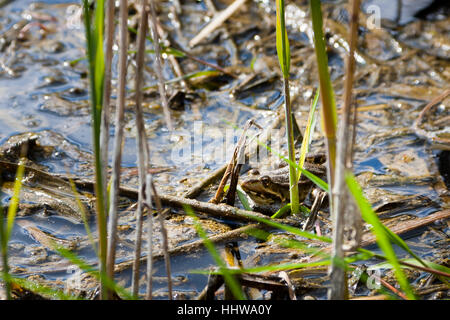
267 188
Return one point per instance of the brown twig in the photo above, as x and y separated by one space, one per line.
199 187
283 275
234 51
219 193
387 285
233 168
407 226
215 281
218 210
431 104
217 21
431 289
214 210
429 270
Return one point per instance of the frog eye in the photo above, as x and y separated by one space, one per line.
265 180
254 172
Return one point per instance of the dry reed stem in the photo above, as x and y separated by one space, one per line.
343 209
106 109
172 59
165 241
158 63
141 144
150 255
118 138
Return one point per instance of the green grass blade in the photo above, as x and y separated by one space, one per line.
7 226
99 54
282 41
242 195
94 45
402 244
187 77
298 245
229 279
74 62
282 211
379 230
243 198
285 209
290 229
167 50
285 266
14 202
307 135
269 268
83 215
290 266
329 114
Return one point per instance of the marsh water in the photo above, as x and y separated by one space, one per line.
402 64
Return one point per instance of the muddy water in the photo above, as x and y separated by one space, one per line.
400 69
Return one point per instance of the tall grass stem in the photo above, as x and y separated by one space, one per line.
7 226
283 51
94 45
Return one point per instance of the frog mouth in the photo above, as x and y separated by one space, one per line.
262 198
